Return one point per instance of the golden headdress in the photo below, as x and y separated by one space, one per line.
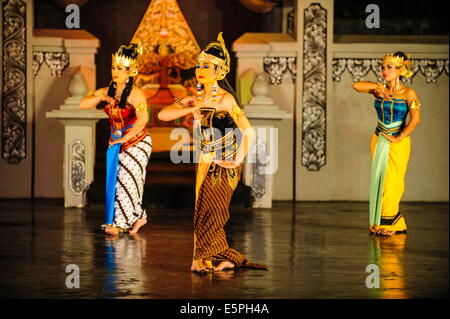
216 53
127 55
405 66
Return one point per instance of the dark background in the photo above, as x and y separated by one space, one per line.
114 21
397 17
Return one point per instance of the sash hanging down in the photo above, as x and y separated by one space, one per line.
378 172
112 164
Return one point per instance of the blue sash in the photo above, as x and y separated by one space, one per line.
112 163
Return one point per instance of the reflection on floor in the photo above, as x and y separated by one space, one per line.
314 250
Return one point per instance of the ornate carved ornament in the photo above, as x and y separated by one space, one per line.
56 61
314 88
275 67
14 70
77 167
432 69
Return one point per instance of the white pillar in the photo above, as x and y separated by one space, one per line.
79 143
274 54
64 61
262 161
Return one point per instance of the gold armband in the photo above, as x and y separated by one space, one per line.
236 112
178 101
142 106
91 94
415 105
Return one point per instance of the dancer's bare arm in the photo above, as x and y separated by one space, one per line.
92 99
178 109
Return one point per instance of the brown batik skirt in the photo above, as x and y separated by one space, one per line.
211 214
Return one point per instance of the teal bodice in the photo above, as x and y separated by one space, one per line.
391 115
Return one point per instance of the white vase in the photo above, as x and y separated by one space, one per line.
77 86
261 86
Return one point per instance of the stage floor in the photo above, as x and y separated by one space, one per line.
313 250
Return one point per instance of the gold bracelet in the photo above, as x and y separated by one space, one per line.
91 94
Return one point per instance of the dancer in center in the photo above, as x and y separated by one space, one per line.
216 116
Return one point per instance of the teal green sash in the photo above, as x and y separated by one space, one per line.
379 167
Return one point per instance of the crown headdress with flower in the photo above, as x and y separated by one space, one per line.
127 55
223 65
405 66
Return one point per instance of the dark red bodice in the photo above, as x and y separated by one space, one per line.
121 118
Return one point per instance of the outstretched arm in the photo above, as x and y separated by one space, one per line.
375 88
366 86
178 109
92 99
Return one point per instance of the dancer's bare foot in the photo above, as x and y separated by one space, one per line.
385 232
112 230
138 224
373 230
224 275
224 265
197 265
201 265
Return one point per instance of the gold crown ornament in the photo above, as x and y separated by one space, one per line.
398 61
127 55
223 65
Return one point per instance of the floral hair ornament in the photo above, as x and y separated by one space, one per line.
127 55
405 67
223 64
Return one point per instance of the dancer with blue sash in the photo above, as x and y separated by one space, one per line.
130 144
391 143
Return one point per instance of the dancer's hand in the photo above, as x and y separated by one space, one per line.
189 100
383 92
119 140
196 113
227 164
107 99
392 139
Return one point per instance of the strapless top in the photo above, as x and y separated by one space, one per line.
391 115
122 118
219 134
